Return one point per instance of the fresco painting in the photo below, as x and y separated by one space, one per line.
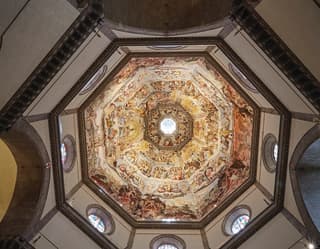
184 175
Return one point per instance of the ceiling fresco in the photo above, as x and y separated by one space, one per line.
168 138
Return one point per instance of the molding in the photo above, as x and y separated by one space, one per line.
74 3
131 239
158 224
310 117
69 111
295 222
192 31
285 119
78 220
269 141
69 42
229 215
177 241
33 179
309 137
17 242
106 30
315 118
317 2
37 117
228 27
45 220
74 190
204 239
12 22
261 33
269 110
264 191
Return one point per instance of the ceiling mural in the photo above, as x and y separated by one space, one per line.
168 138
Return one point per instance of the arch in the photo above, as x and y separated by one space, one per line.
8 169
105 217
32 182
68 153
167 239
297 179
269 145
166 17
232 216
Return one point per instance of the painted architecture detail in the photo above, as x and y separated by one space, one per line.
168 138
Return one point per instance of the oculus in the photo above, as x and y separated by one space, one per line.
168 126
96 78
68 153
167 241
168 138
270 152
243 80
236 220
239 223
100 219
167 246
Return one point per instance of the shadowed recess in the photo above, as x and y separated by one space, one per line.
164 15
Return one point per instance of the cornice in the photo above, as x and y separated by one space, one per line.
70 41
261 33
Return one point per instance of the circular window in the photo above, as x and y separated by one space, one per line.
96 78
100 219
168 126
270 150
275 152
167 47
68 153
167 246
167 241
243 80
63 153
239 223
97 222
236 220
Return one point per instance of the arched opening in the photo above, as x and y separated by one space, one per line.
305 177
31 184
8 171
163 16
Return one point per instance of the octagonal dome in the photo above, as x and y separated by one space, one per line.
168 138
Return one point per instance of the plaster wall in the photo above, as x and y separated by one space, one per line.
29 40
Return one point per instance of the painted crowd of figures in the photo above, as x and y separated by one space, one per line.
153 183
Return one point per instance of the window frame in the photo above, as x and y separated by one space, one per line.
104 215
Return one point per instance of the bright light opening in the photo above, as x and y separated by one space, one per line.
275 152
97 222
167 246
168 126
311 246
239 223
64 153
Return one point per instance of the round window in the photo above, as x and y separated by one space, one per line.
100 219
243 80
270 150
96 78
68 153
167 47
168 126
167 246
63 149
236 220
239 223
97 222
167 241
